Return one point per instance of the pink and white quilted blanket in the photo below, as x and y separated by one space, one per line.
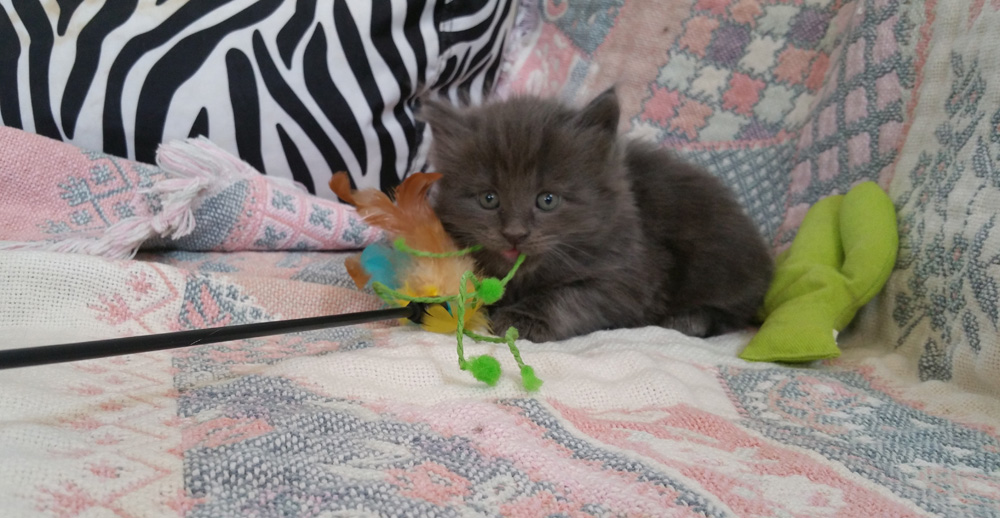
786 100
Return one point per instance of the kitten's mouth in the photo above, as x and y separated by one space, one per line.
510 254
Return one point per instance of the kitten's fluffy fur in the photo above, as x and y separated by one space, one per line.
639 238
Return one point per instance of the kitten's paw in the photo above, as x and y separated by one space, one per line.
692 323
706 322
528 328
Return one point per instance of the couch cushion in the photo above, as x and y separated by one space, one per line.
941 307
786 101
298 89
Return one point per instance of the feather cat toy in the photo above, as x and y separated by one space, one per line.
423 274
424 266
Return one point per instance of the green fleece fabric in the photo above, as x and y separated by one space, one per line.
841 257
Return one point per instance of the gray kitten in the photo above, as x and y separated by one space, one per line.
617 234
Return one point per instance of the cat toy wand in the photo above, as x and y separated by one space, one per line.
48 354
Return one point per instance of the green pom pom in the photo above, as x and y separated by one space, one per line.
530 382
490 290
485 368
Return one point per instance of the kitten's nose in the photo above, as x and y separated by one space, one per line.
514 236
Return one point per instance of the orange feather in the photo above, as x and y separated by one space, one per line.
356 271
341 186
411 218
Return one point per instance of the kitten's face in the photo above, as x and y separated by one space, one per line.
527 176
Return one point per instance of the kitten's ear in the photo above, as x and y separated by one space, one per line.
445 120
602 113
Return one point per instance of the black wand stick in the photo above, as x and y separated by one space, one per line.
47 354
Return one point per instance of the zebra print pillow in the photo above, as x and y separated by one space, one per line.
297 89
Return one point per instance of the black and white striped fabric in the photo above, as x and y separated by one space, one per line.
299 89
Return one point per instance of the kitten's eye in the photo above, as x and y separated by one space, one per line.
548 201
489 200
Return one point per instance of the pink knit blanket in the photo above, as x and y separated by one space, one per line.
58 197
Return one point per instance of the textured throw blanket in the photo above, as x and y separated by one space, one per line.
787 101
379 421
